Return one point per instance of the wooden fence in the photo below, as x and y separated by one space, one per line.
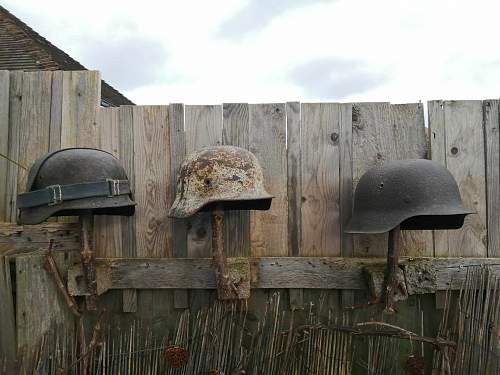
312 154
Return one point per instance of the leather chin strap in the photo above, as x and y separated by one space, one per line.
57 194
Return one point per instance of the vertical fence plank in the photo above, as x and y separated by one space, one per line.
346 192
126 147
56 111
438 154
107 229
371 143
294 191
178 226
237 223
35 121
80 104
35 288
492 134
407 121
384 132
4 140
152 180
7 318
267 138
152 183
320 180
203 128
463 153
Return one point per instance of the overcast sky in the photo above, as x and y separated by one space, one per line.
204 52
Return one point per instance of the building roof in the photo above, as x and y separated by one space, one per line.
21 48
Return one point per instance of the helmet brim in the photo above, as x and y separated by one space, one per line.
183 208
376 222
121 205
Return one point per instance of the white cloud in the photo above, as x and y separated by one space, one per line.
423 49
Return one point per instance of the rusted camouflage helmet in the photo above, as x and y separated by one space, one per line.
225 175
72 181
417 194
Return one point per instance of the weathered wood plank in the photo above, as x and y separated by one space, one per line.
267 138
152 180
80 104
4 140
178 226
203 125
464 157
384 132
411 143
492 144
269 272
371 142
294 173
346 191
126 147
320 209
15 106
438 154
35 287
35 122
7 311
237 223
107 229
18 239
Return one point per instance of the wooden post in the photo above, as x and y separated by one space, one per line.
88 260
233 280
391 281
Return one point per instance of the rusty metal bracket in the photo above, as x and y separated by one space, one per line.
88 261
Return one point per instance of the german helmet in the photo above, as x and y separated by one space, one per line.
416 194
71 181
224 175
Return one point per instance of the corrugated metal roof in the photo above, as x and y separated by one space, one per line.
21 48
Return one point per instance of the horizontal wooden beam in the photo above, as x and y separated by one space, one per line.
423 275
21 239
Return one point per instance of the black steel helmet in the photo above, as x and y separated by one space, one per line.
417 194
70 181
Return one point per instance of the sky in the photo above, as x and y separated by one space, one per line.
258 51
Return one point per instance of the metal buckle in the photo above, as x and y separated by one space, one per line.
55 192
114 187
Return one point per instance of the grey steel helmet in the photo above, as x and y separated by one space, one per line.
72 181
416 194
226 175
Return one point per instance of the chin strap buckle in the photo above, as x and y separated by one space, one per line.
55 192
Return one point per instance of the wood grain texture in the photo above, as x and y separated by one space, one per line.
438 154
107 228
203 125
4 140
15 106
411 143
35 287
152 180
270 272
237 223
492 144
126 147
372 141
19 239
177 226
267 138
294 179
7 314
320 179
35 122
80 103
462 149
384 132
56 109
